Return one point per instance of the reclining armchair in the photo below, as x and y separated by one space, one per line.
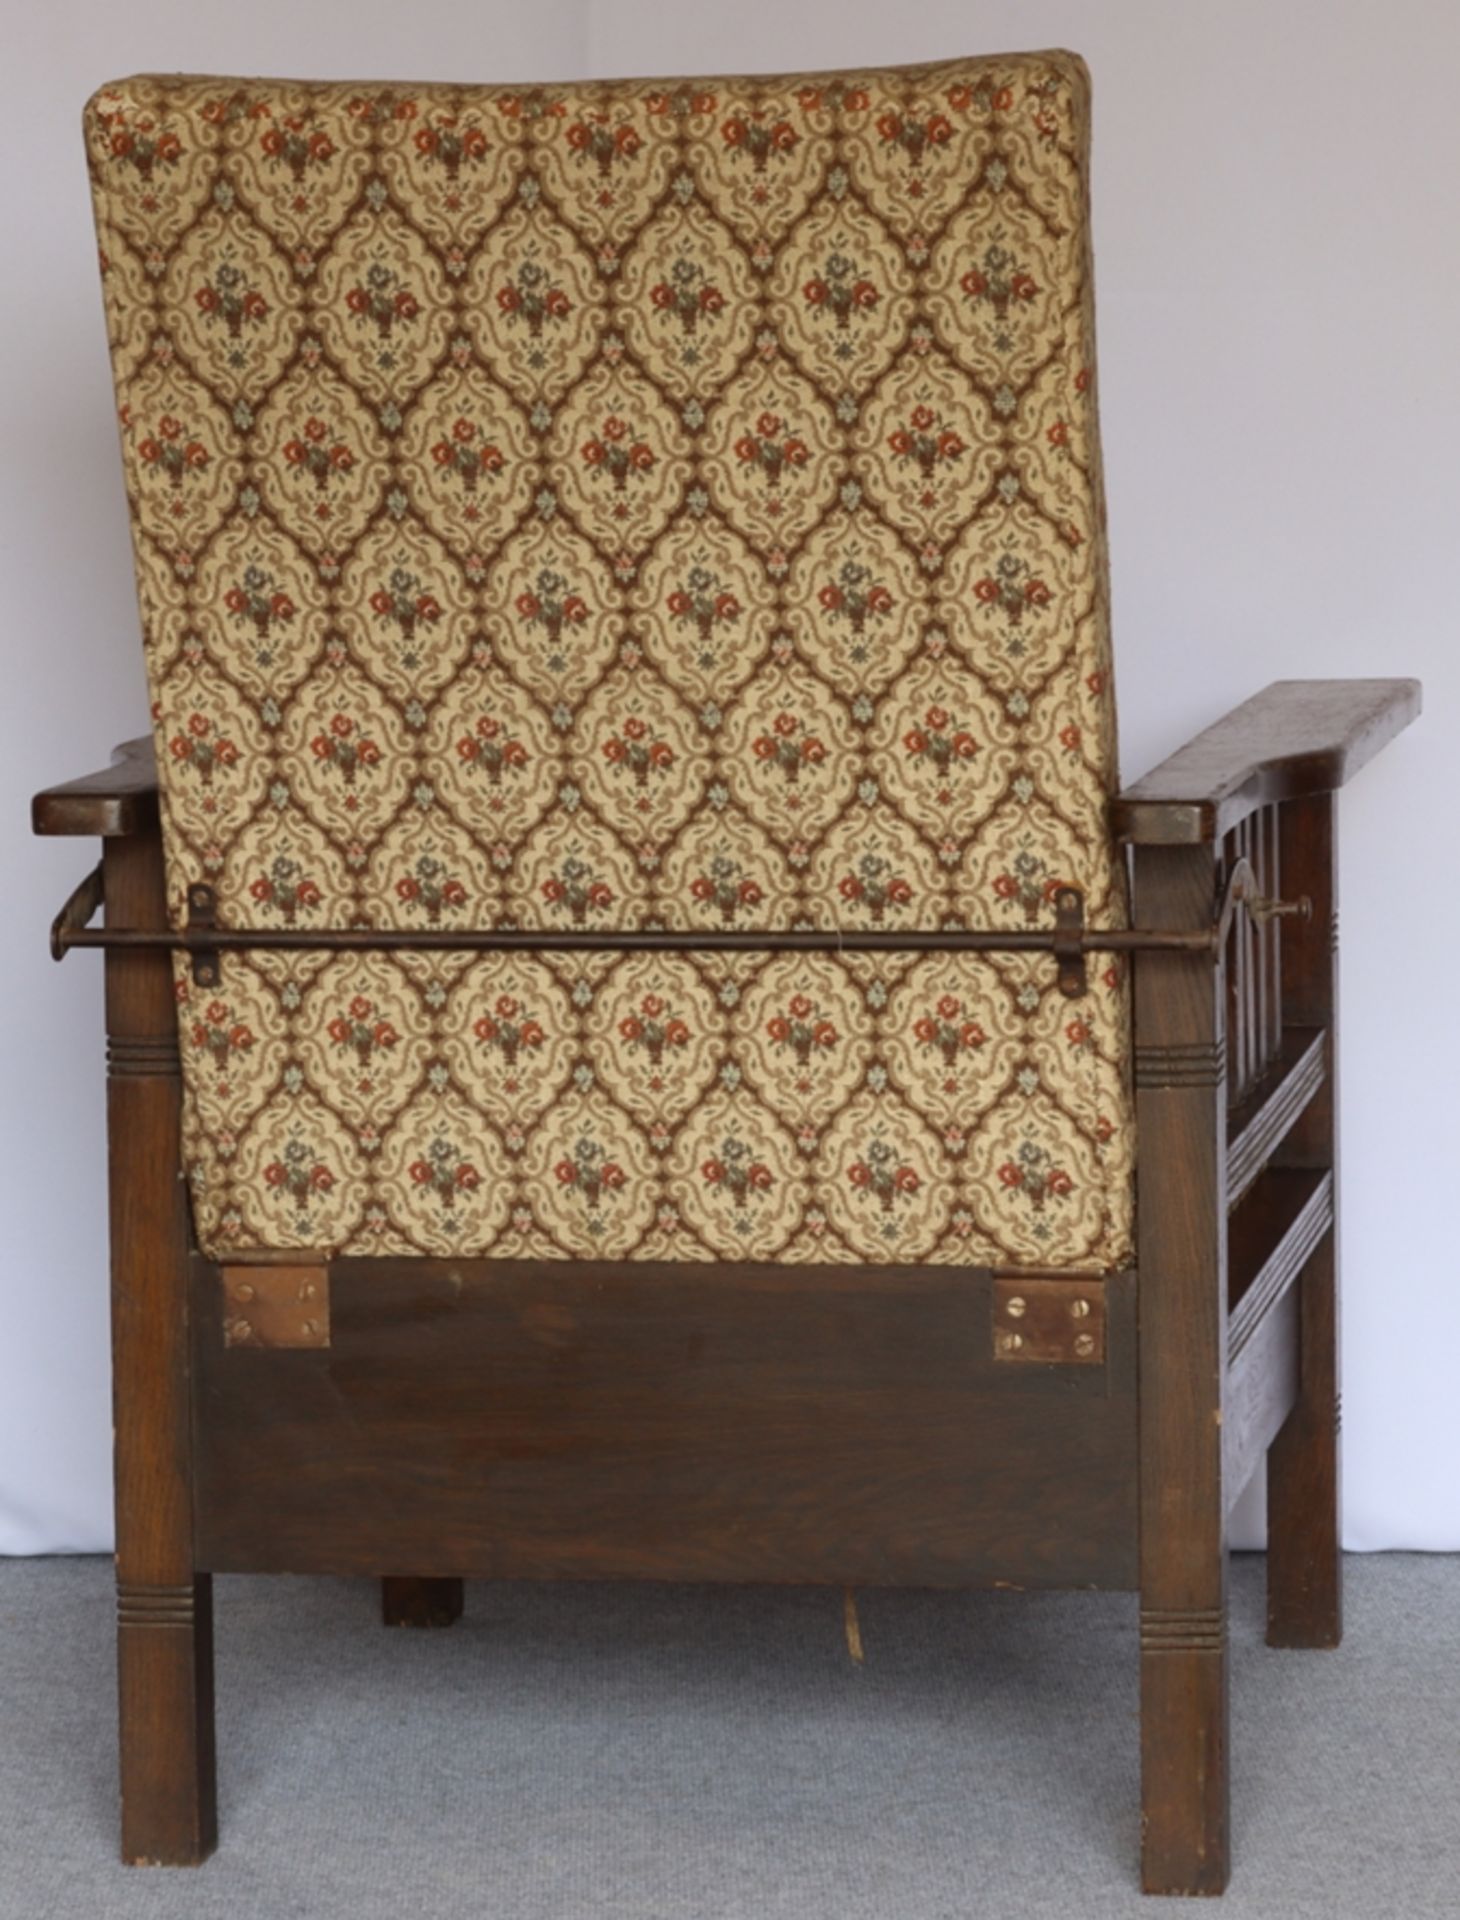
643 1040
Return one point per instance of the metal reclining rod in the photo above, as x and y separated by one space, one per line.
1069 940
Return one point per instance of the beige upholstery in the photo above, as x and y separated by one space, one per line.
662 504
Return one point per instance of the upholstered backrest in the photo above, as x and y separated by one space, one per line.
644 504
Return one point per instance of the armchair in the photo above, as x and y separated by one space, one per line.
629 934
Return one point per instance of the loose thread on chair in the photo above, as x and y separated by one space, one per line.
853 1628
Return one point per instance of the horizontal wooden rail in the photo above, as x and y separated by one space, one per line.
1261 1121
1272 1233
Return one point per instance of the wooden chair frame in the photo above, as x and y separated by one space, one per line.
430 1421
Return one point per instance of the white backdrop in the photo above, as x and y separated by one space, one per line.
1275 223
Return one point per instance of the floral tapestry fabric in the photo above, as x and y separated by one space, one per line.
652 504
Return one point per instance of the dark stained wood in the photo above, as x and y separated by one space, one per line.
164 1608
1297 737
1257 1127
1273 938
1304 1490
1240 958
1251 950
421 1603
539 1419
1182 1226
1270 1239
119 800
845 1425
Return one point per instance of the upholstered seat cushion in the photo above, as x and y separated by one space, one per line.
650 504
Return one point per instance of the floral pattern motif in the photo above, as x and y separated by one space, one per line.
627 506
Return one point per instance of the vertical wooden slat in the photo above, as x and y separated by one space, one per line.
1261 948
164 1609
1250 1050
1304 1479
1275 934
1235 1037
1182 1228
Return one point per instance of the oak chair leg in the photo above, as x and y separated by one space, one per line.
1304 1563
1182 1226
164 1607
420 1603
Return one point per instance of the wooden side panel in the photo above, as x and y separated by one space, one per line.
164 1610
697 1423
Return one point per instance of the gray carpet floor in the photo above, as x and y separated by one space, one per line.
690 1753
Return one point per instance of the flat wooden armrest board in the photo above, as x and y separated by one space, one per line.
112 802
651 534
1296 737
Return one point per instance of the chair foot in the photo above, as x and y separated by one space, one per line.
1184 1766
165 1684
1304 1596
420 1603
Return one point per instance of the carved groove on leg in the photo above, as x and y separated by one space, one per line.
148 1606
1183 1630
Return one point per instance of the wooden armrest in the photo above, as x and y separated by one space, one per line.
1295 737
119 800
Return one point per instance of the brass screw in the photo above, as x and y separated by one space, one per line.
242 1329
1080 1309
311 1327
243 1291
1016 1307
306 1292
1084 1344
1010 1342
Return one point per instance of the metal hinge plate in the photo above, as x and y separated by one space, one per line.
1045 1320
276 1304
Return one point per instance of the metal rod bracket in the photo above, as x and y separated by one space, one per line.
1069 942
203 918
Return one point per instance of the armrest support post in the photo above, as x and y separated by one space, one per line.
1181 1216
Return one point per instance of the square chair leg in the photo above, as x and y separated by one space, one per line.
1180 1077
164 1608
